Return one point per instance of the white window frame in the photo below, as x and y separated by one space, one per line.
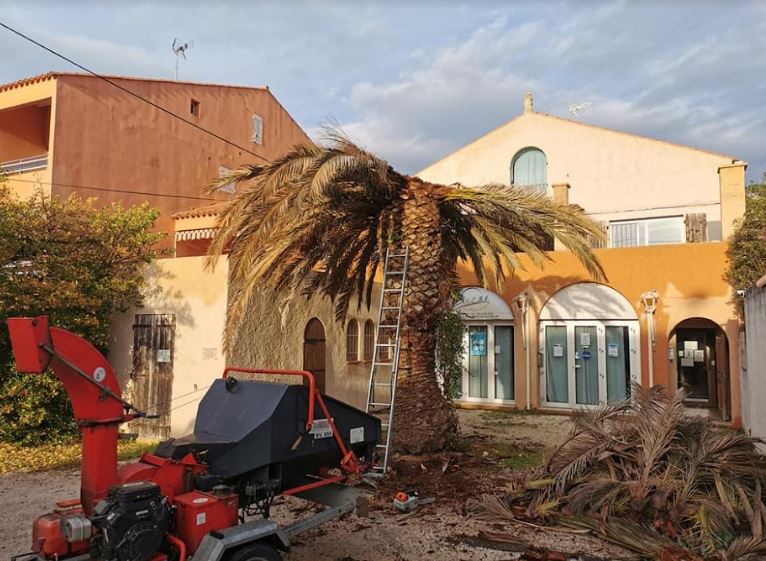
230 187
634 348
257 137
643 224
490 325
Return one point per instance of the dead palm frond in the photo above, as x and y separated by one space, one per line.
657 481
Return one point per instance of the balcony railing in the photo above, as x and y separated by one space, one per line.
24 164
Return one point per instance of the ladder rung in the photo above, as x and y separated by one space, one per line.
388 326
392 290
382 383
380 446
394 272
380 404
397 255
386 344
389 308
383 363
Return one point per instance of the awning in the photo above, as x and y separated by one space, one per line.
199 234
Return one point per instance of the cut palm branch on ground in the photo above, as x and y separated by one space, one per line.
643 475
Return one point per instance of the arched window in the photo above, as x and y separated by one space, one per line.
352 341
529 169
369 339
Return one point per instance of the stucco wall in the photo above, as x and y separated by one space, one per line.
198 299
754 369
24 131
107 139
610 172
272 337
687 277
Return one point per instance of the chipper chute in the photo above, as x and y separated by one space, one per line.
252 442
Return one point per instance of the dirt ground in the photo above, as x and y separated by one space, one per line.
493 450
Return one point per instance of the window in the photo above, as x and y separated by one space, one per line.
529 169
194 107
650 231
257 129
226 187
369 339
352 341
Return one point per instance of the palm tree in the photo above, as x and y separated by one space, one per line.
318 220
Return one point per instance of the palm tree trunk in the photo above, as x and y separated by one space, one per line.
424 419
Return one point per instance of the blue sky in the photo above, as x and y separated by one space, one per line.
415 80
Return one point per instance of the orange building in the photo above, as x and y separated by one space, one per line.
68 133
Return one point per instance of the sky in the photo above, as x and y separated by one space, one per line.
414 81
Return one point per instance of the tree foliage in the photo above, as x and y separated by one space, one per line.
747 246
450 350
78 263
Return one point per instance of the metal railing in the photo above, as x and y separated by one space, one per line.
24 164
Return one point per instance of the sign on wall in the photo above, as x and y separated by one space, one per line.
484 305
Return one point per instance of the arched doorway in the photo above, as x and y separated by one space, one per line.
700 359
589 346
488 362
314 351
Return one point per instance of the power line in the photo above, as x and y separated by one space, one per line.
112 190
130 92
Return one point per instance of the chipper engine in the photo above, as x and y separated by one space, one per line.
207 495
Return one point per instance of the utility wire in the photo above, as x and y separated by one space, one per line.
130 92
112 190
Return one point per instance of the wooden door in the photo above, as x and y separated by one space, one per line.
314 351
722 376
153 341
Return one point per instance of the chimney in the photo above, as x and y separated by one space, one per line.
528 103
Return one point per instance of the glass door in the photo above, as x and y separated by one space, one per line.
557 364
617 363
586 359
477 361
503 343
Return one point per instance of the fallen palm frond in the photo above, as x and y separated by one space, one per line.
642 475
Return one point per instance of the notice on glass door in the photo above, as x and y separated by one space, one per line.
585 339
558 351
612 350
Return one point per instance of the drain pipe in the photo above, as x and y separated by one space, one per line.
649 300
522 303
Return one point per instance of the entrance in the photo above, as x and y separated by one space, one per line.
488 368
588 362
314 352
701 356
589 347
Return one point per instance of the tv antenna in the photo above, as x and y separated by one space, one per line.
576 108
180 51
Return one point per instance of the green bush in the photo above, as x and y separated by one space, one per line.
34 408
78 263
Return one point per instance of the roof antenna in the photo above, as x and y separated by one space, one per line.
180 51
576 108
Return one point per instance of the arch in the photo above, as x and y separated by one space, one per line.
352 341
314 351
477 303
529 168
700 363
587 300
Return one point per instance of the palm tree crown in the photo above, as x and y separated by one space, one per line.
318 220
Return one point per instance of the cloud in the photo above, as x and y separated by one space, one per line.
676 76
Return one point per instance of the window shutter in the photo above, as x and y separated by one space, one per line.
596 243
696 227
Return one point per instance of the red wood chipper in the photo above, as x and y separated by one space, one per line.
207 495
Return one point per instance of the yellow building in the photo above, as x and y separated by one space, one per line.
549 339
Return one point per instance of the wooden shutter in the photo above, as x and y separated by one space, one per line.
596 243
696 227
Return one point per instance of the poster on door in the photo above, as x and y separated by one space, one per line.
479 343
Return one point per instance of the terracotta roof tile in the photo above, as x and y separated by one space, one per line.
213 209
27 81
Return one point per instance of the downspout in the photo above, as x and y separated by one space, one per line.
522 302
649 300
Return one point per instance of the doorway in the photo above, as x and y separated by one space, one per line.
314 352
588 362
488 373
702 364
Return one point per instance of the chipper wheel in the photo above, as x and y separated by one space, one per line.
257 551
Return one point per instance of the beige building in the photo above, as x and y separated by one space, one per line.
550 339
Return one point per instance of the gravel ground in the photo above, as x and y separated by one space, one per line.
435 532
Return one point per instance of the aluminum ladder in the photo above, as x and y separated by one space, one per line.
381 395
